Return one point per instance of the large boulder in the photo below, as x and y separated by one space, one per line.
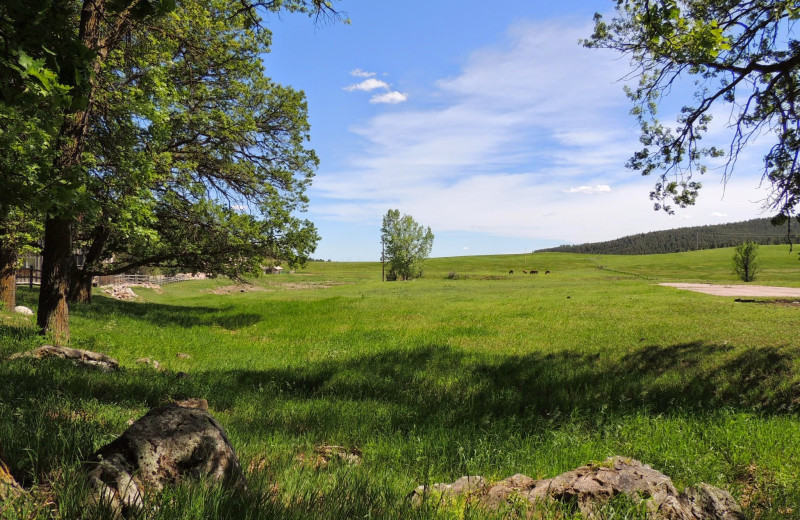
169 444
589 487
77 356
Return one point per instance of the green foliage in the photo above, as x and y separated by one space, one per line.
406 245
741 54
212 189
745 261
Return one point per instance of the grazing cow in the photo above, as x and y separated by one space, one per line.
524 271
511 272
547 272
534 272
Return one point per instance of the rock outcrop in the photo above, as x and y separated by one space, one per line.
77 356
169 444
590 487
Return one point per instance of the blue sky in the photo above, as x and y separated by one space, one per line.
487 122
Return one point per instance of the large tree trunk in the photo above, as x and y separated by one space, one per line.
8 277
53 315
80 287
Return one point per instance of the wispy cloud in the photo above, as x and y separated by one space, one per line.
368 85
597 188
361 73
392 97
503 146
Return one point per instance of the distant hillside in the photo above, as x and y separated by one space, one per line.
687 239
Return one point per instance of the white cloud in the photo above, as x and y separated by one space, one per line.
368 85
361 73
718 214
393 97
597 188
503 146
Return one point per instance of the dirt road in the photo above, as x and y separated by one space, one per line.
738 290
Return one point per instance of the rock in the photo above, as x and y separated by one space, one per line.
121 292
21 309
77 356
193 402
169 444
181 355
147 361
462 486
707 501
324 454
590 486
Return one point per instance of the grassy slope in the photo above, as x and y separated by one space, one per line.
436 378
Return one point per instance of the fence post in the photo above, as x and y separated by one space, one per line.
30 278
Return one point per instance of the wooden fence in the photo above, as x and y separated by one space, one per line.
30 277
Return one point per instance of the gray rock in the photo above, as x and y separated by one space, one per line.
590 486
77 356
21 309
462 486
152 362
169 444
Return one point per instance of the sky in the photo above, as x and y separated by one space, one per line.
487 122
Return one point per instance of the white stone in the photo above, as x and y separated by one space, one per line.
21 309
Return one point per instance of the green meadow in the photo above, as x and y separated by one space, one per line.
467 371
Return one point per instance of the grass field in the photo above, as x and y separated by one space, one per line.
468 370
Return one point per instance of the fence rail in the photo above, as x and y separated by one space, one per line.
30 277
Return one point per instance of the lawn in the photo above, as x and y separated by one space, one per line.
468 370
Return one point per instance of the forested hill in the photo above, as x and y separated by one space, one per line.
688 239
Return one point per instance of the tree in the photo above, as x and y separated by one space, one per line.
212 180
745 261
406 245
745 60
73 39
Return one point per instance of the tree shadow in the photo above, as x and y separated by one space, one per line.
158 314
162 315
426 388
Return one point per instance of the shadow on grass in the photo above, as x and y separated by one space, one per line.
437 385
158 314
162 315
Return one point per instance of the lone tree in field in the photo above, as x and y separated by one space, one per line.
745 59
745 261
406 245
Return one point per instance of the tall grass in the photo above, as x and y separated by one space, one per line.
429 380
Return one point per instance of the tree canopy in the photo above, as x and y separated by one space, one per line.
61 81
406 245
198 164
745 60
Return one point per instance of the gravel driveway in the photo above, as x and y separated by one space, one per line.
738 290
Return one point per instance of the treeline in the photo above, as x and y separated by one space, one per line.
759 230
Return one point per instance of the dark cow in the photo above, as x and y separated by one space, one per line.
534 272
511 272
547 272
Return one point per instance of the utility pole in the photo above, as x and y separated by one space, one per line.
383 259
